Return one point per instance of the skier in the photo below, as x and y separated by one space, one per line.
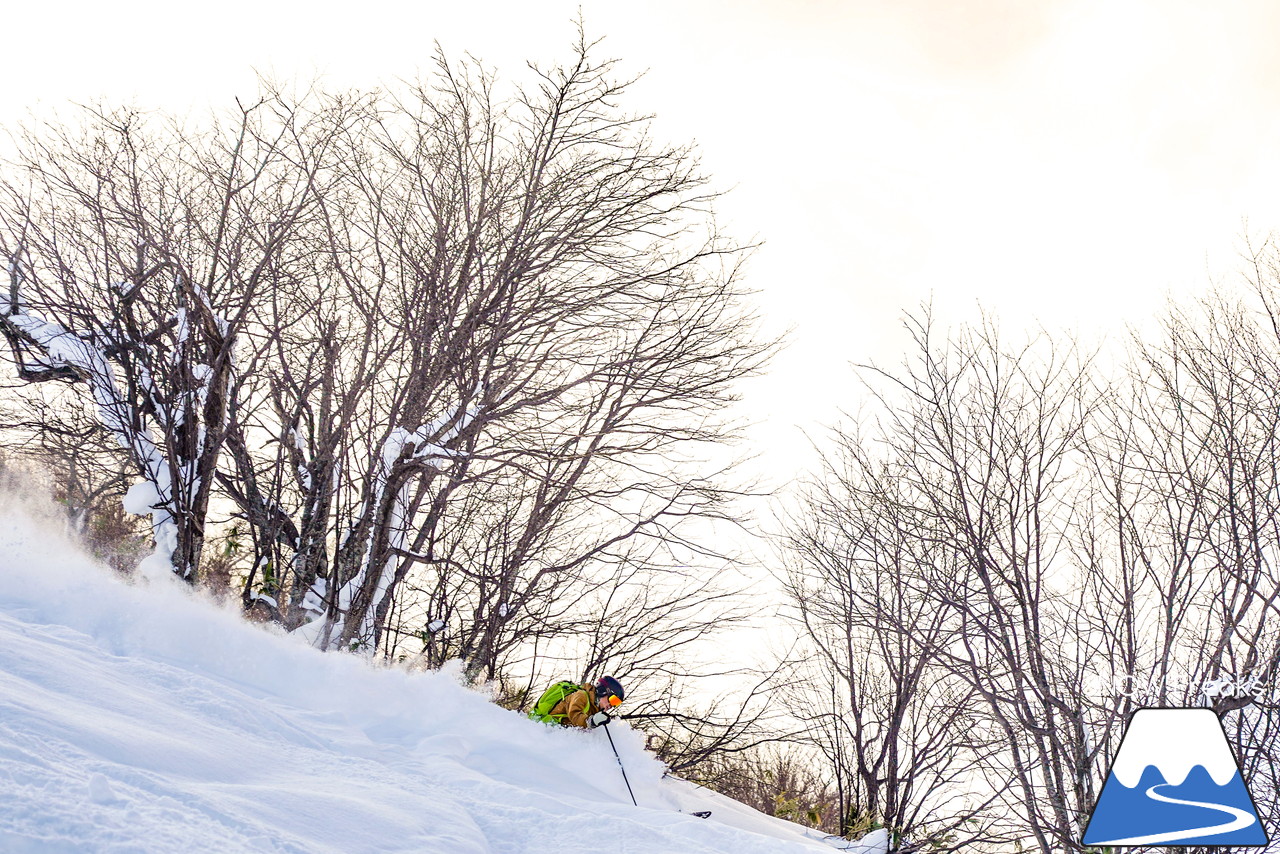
570 704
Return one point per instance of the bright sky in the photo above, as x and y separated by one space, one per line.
1070 161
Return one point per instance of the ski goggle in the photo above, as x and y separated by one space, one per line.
612 700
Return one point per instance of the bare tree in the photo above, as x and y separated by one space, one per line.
135 251
1192 483
898 730
934 582
520 320
1054 549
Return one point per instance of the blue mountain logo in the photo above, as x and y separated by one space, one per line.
1174 782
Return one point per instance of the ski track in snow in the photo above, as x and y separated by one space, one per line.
1240 820
140 719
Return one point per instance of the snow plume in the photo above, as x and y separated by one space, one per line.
143 718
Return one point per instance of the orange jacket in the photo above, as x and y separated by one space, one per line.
575 708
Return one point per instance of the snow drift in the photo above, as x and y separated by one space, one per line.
139 718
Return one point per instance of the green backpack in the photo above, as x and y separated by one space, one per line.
549 699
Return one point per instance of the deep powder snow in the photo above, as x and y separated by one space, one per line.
139 718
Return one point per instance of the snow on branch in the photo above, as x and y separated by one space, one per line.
62 354
427 445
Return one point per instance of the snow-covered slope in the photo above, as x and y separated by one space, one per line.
141 719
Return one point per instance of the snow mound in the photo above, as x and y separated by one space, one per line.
140 718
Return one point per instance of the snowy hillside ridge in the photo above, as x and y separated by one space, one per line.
1174 741
141 718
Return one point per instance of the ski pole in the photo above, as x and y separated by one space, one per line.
620 766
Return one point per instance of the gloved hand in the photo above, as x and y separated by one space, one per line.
598 719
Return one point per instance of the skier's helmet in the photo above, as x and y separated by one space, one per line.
609 690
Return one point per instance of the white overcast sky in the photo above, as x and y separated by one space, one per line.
1071 161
